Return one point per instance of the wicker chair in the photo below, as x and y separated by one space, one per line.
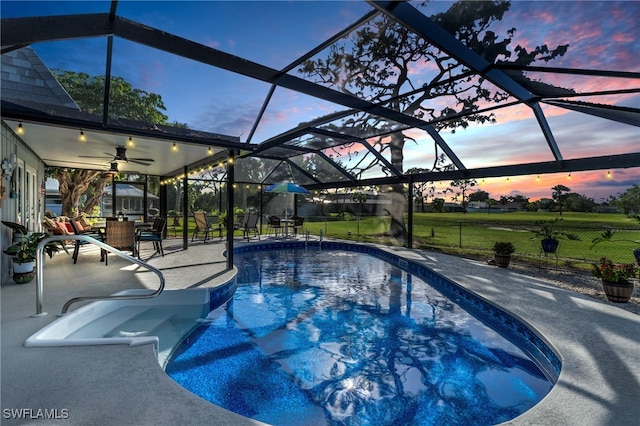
120 235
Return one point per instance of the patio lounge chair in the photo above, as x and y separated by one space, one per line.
154 234
250 224
203 226
79 230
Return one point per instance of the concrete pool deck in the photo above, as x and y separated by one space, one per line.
599 345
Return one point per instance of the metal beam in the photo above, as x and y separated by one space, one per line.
546 130
608 162
16 112
25 31
624 115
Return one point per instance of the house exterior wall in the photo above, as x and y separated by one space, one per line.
26 204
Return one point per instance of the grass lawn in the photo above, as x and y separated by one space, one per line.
475 233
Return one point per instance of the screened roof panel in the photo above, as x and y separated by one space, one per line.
321 168
219 101
281 151
363 125
548 84
358 160
287 109
317 141
232 26
589 137
215 64
514 135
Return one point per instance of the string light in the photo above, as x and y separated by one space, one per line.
174 147
20 129
538 178
82 137
130 142
209 151
609 175
569 177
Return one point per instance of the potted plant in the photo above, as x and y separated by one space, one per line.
548 233
24 250
616 279
502 253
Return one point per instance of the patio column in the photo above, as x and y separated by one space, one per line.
410 214
230 230
185 210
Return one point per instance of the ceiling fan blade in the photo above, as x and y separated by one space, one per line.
143 159
94 156
140 162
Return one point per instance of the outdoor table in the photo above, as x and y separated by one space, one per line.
285 223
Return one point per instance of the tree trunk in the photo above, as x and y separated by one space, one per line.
96 199
73 185
396 209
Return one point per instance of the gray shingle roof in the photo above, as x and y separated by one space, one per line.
27 81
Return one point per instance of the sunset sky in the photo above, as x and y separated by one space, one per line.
601 35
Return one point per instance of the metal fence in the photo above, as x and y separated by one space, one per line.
476 237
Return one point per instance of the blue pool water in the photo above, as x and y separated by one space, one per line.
338 337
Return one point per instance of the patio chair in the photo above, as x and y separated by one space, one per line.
154 234
250 224
297 223
274 225
120 235
79 230
203 226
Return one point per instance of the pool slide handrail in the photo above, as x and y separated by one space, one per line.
65 308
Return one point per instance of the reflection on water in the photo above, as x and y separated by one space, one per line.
318 337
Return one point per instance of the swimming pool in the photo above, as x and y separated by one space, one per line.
341 337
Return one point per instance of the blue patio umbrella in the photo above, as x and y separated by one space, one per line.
286 188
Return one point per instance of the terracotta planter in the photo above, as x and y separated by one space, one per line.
619 292
502 260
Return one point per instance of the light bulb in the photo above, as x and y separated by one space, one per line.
82 137
20 129
174 148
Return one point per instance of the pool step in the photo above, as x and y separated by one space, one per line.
100 327
164 321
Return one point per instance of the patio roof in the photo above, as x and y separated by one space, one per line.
292 121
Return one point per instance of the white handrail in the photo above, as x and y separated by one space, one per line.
65 308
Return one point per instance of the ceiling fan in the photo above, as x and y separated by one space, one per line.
121 157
